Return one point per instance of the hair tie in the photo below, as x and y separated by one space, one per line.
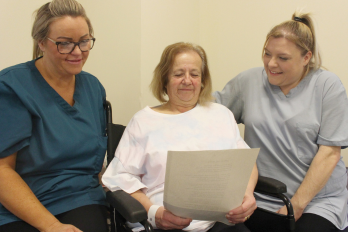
298 19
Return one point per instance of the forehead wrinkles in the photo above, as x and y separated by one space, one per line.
186 65
185 69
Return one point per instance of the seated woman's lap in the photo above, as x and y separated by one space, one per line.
261 221
221 227
17 226
312 222
89 218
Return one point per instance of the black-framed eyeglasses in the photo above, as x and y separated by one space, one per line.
67 47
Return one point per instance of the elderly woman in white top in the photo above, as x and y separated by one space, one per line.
186 121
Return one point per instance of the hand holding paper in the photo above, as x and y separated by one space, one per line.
167 221
241 213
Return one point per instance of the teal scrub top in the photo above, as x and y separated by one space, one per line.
60 148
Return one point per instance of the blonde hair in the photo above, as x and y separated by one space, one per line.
48 13
160 75
300 31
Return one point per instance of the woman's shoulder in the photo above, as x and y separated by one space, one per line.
325 78
17 78
88 77
90 80
325 74
213 108
255 70
18 68
142 115
252 73
325 82
244 80
143 121
146 111
249 76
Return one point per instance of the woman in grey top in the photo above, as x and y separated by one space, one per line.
297 114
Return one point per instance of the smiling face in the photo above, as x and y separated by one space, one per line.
284 63
184 79
71 29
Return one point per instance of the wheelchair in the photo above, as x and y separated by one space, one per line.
124 208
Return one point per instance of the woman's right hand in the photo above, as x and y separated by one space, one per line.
60 227
18 198
165 220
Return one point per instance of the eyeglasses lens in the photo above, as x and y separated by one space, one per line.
67 47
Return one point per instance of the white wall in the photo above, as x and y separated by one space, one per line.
15 30
163 23
131 35
234 32
116 57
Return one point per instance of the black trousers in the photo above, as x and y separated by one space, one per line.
261 221
89 218
218 227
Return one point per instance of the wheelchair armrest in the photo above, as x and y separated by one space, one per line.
269 185
275 188
127 206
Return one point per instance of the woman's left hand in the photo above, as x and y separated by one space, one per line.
243 212
297 211
316 178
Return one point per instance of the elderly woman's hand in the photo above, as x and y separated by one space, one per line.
165 220
243 212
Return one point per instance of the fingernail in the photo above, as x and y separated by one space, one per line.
230 213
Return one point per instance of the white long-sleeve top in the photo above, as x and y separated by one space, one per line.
141 156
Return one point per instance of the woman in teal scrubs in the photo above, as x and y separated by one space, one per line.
53 130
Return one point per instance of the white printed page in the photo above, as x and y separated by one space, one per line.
205 185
